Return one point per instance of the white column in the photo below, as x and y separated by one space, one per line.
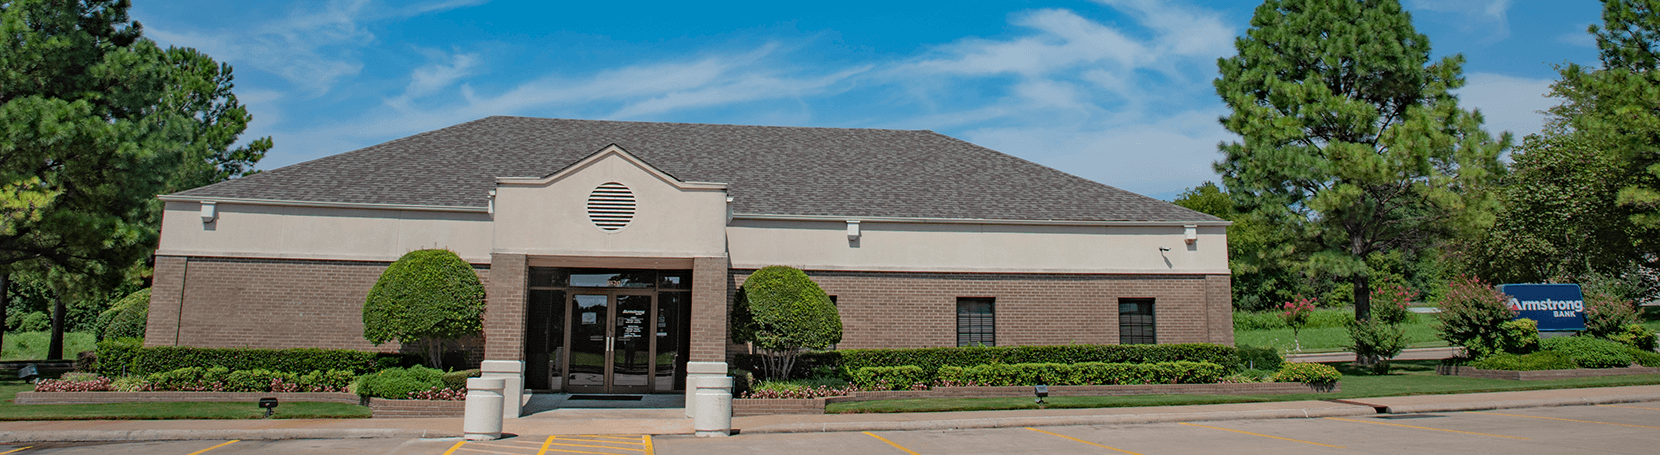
695 370
512 373
482 422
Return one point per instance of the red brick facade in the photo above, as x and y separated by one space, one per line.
916 310
504 317
264 303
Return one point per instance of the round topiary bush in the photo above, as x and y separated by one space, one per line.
426 297
1308 373
1589 352
783 311
126 317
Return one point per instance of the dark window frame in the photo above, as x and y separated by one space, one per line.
976 328
1140 325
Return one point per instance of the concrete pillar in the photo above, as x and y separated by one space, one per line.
714 407
696 371
482 422
512 373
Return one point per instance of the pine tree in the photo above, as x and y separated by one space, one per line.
1351 135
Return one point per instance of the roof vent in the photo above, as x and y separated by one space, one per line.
611 206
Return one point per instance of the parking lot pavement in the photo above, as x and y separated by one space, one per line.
1615 429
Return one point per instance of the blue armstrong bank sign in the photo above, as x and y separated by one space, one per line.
1557 307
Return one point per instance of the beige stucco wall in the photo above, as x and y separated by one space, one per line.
269 231
954 247
549 217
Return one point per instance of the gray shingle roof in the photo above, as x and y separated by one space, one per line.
770 170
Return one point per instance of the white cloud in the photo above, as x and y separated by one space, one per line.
428 79
1508 103
1487 13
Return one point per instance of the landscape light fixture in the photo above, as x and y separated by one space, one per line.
1041 391
29 373
269 405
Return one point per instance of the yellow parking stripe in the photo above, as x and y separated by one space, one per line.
1607 405
1083 441
896 446
222 444
1258 434
452 448
626 438
19 449
1428 428
544 445
1569 420
646 439
571 439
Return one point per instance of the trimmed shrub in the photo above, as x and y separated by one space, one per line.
129 357
127 317
1635 336
901 377
457 380
1589 352
1089 373
399 383
1260 358
1542 360
1308 373
423 299
931 359
1645 358
1376 341
782 312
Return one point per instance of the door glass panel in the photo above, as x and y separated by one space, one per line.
671 361
614 279
590 315
540 328
633 350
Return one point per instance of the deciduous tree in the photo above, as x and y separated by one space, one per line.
426 298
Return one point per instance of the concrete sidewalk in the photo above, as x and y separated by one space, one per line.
668 421
1409 354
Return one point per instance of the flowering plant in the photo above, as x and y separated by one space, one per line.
439 393
1390 301
68 385
1296 316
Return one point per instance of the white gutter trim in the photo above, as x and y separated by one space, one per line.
889 219
337 205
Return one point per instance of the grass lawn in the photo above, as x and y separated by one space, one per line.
32 345
155 411
1331 339
1409 378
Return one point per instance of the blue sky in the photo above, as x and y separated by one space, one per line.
1117 91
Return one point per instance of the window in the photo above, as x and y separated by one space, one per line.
1135 321
976 321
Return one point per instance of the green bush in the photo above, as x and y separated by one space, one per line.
1089 373
458 379
127 317
1378 341
1649 359
329 380
1636 336
782 312
1308 373
890 378
1542 360
423 299
1589 352
128 356
1471 314
1520 336
1269 320
398 383
257 380
34 322
931 359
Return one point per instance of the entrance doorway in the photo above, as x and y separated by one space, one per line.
607 331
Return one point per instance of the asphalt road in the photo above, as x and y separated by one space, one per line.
1622 429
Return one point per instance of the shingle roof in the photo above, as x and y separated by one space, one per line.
770 170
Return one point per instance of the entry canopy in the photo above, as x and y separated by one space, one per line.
1557 307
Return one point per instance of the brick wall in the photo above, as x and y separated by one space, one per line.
709 308
504 317
914 310
266 303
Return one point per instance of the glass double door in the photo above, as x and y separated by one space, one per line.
612 347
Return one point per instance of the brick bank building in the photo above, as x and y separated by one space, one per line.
611 251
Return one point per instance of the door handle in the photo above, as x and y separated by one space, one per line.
609 346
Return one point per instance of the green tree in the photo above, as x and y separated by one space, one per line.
95 121
426 298
1260 254
1616 106
1351 136
783 311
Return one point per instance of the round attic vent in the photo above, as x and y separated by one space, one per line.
611 206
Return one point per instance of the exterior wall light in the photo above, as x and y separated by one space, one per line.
209 212
1191 231
492 208
853 229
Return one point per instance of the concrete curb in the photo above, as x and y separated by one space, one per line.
37 436
1510 404
1112 419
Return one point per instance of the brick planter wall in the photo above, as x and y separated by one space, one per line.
173 397
763 406
384 408
1472 372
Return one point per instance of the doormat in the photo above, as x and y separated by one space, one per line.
606 397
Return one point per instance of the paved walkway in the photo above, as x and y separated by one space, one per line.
669 421
1409 354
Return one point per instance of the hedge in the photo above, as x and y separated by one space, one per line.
1088 373
1307 373
1589 352
221 379
888 378
931 359
128 356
